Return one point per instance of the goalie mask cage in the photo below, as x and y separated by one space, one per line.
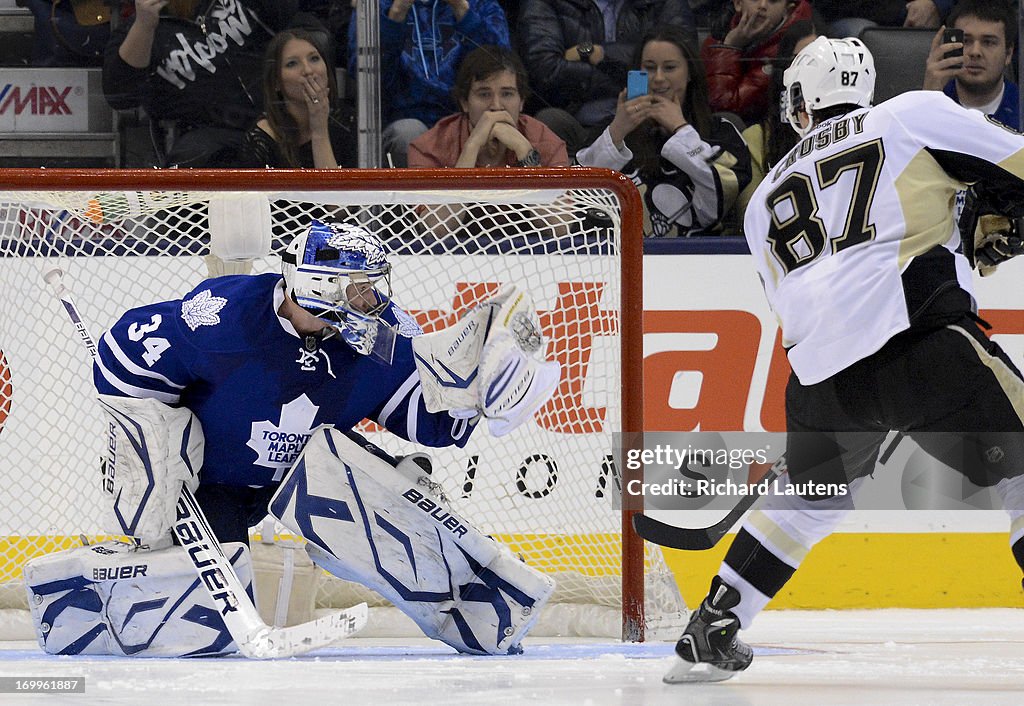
571 238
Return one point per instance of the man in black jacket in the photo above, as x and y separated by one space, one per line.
198 63
577 53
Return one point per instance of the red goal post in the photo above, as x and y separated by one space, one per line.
519 219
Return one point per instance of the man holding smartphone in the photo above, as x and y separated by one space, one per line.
969 58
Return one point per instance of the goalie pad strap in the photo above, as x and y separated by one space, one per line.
118 599
152 449
367 522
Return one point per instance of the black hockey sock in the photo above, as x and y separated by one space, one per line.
1018 554
756 564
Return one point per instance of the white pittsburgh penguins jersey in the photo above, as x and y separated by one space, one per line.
836 226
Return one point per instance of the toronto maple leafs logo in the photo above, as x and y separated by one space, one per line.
355 243
202 310
407 325
278 445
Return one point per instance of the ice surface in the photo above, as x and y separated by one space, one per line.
855 658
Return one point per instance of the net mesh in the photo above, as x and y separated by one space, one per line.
547 489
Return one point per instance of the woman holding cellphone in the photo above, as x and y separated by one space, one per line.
689 164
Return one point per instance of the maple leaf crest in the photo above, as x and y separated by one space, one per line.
407 325
202 309
278 445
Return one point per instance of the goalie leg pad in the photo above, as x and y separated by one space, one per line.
367 522
152 449
114 598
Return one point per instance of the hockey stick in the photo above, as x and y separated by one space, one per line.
699 538
254 638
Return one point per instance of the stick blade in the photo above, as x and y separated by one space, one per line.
274 643
691 539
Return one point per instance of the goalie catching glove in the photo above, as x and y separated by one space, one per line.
491 362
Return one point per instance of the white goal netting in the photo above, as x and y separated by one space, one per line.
548 490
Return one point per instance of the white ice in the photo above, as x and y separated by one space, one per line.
855 658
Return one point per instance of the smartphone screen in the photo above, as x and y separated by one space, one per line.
953 35
636 84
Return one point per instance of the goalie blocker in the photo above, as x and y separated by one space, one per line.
366 521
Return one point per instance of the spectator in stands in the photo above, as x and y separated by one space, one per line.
422 43
577 53
739 64
68 34
977 79
197 63
772 138
689 164
847 18
303 124
491 130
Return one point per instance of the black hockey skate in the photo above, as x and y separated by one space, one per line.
709 649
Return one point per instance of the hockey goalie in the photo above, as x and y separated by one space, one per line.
245 392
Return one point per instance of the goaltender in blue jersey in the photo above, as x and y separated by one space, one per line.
261 375
246 391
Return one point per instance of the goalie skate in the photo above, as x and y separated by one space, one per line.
709 649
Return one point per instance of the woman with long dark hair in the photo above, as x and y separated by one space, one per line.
302 124
689 164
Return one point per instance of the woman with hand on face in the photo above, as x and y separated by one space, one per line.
688 164
302 126
491 130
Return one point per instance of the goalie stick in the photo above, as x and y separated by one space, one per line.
700 538
255 639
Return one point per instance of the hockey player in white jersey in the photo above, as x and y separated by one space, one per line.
246 390
855 239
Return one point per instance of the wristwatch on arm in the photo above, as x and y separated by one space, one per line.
532 159
585 49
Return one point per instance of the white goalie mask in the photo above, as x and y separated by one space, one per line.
825 73
339 272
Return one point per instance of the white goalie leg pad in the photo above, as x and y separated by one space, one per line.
515 380
115 598
367 522
152 449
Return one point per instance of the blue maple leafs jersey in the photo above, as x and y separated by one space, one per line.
223 352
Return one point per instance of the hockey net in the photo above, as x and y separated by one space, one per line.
547 490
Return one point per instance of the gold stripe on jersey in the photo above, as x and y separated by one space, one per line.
1011 384
727 178
792 551
927 198
1014 164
